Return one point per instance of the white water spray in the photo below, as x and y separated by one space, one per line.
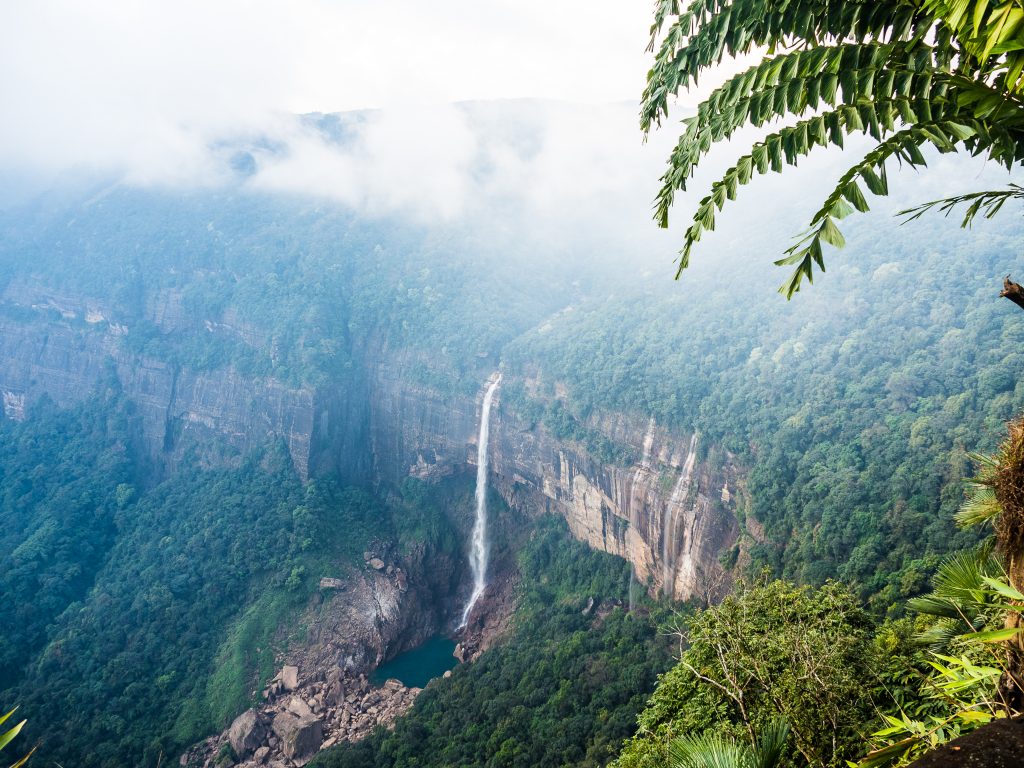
478 542
669 522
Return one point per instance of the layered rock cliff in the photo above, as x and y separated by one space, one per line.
671 512
63 346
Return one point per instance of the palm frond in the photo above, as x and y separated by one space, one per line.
708 751
771 744
909 74
8 736
981 507
708 30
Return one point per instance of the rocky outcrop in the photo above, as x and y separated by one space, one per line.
246 733
300 735
668 514
324 709
999 744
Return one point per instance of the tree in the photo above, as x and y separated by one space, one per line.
909 73
770 653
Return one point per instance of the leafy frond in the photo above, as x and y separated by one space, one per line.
981 507
8 736
708 751
991 32
771 744
793 83
905 146
946 74
961 593
708 30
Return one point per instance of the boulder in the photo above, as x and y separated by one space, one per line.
329 582
260 755
246 733
299 707
301 737
998 744
334 691
290 678
376 563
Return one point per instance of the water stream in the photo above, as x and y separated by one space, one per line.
478 542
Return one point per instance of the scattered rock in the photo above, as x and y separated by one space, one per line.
246 733
289 678
334 691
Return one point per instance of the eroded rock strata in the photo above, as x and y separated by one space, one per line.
671 511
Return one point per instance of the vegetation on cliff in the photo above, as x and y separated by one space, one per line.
161 608
855 412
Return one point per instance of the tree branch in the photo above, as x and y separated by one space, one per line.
1012 291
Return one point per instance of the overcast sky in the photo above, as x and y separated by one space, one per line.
102 79
153 91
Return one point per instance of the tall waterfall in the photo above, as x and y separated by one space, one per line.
478 542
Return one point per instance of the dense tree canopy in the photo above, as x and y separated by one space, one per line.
563 689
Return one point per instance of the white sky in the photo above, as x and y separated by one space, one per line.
81 80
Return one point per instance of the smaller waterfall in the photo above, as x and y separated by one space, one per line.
632 588
670 519
478 542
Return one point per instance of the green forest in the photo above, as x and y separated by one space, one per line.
291 395
162 607
142 585
563 689
853 409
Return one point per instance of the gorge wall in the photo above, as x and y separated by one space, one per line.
671 512
64 345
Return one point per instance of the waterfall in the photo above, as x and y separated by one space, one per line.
669 522
638 491
478 542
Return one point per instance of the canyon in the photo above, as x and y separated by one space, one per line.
671 512
658 497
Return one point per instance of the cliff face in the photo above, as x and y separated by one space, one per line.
65 346
671 513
